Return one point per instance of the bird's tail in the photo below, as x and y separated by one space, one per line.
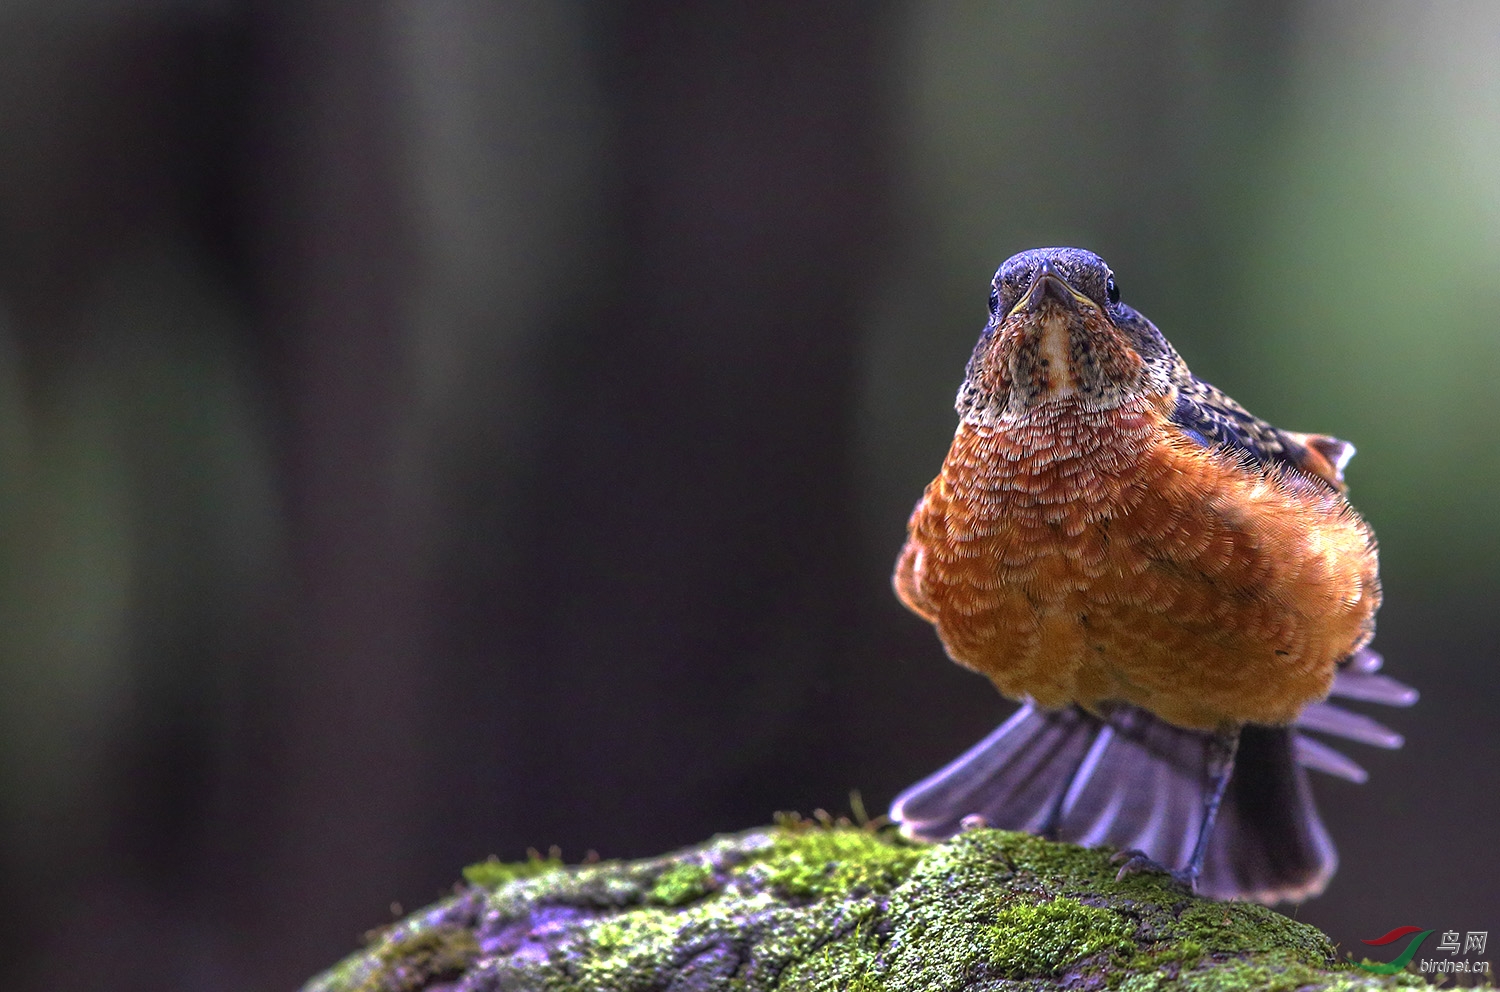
1127 779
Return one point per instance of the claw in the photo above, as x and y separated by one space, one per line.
1134 862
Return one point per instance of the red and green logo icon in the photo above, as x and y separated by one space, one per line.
1405 958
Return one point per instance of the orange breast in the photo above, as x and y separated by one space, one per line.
1082 557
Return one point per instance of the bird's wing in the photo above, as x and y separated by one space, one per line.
1207 415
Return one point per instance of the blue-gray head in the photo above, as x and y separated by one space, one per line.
1057 334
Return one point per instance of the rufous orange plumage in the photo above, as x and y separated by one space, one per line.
1109 533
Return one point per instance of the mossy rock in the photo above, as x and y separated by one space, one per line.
828 907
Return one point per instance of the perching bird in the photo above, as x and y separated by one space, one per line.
1170 585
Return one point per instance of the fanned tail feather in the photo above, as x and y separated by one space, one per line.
1356 679
1013 778
1269 845
1127 779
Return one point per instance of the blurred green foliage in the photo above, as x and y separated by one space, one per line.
1306 203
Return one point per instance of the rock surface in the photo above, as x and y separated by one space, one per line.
828 907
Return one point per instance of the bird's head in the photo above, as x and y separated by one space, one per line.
1058 333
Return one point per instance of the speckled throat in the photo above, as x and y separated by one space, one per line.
1056 353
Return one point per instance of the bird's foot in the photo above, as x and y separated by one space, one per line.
1133 862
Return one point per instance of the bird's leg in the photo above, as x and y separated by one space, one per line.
1078 777
1222 748
1221 767
1051 828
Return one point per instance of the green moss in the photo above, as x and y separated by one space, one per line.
864 983
1242 928
831 908
1214 929
682 884
1047 867
845 959
620 955
1272 972
822 863
493 873
411 961
1046 938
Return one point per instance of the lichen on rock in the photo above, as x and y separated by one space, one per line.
812 906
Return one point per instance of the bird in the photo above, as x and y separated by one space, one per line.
1171 587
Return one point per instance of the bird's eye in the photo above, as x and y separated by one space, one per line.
995 301
1111 290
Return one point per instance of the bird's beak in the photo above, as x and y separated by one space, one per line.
1048 282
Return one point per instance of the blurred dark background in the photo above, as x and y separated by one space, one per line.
431 429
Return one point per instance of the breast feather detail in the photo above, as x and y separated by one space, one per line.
1084 556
